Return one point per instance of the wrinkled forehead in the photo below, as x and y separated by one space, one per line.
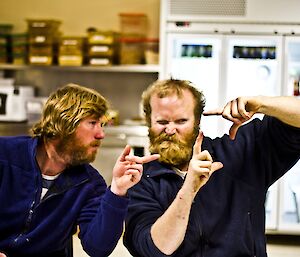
172 105
169 91
173 95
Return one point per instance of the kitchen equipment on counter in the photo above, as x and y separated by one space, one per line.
34 108
12 102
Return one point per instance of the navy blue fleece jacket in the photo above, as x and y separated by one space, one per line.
79 197
227 217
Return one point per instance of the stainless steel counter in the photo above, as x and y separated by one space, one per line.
13 129
114 136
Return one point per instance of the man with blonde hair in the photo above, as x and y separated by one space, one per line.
48 188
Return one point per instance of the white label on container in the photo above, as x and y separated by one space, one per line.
98 38
70 42
98 49
40 39
98 61
70 58
39 59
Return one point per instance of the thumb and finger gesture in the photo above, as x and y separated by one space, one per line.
235 111
198 154
137 159
201 166
128 170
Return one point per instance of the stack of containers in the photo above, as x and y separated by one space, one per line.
151 50
134 28
43 41
71 51
19 48
5 45
102 47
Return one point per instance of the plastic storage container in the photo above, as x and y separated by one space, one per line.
132 51
71 51
42 26
5 45
102 47
40 55
4 48
19 48
151 48
6 29
102 37
133 24
43 41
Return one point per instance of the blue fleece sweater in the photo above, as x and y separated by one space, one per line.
33 227
227 217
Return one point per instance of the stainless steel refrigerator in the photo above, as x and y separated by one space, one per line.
225 66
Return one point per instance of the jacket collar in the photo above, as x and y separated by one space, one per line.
156 168
69 178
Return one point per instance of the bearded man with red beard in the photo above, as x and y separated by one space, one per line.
182 207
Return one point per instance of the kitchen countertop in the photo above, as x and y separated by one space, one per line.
14 128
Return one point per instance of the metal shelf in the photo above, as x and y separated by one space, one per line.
147 68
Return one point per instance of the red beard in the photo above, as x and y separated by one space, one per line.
76 152
172 150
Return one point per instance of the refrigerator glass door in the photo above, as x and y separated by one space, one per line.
196 58
271 206
292 66
289 219
253 67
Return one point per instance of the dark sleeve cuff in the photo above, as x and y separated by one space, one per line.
120 202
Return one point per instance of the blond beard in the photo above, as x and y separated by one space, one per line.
172 150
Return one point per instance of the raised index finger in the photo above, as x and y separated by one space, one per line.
123 155
198 144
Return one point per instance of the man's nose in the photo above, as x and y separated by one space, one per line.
100 133
170 129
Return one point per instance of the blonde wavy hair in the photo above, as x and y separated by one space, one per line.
65 108
164 88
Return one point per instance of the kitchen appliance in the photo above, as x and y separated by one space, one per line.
34 108
13 102
289 198
253 67
224 67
